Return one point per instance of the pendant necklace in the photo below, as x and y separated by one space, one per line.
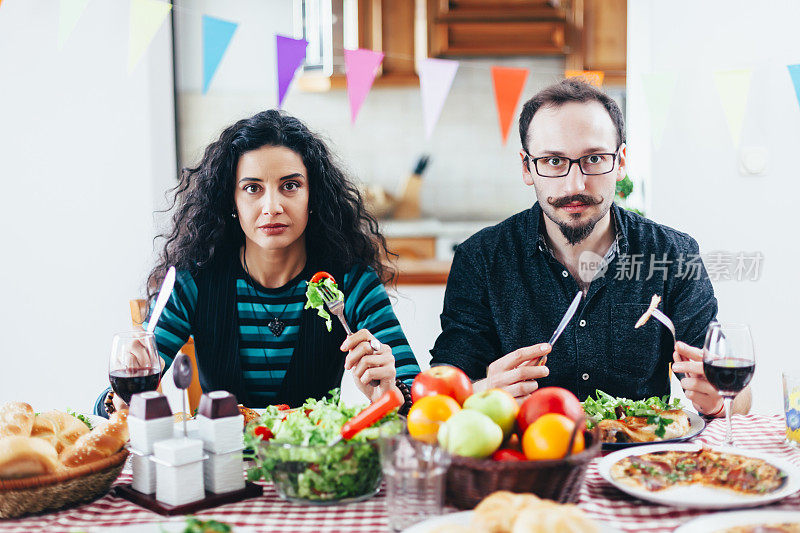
275 324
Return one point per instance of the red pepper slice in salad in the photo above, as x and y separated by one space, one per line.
316 278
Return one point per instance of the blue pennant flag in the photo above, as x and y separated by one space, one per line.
217 35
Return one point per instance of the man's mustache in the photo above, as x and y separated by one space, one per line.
582 198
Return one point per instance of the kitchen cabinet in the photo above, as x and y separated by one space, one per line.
496 27
599 30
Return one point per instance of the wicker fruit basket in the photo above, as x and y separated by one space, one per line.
20 497
470 480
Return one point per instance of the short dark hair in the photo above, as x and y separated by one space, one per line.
569 90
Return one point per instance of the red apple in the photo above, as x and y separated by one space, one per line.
548 400
442 379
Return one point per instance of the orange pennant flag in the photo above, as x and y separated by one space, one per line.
508 85
592 77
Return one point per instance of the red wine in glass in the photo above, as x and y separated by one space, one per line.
129 381
134 365
729 376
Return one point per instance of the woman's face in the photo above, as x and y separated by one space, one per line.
272 197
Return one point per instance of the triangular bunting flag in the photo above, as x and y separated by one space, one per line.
217 35
592 77
69 13
361 66
435 79
508 84
658 91
733 86
291 53
146 18
794 72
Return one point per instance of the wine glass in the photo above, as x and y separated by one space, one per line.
729 363
134 365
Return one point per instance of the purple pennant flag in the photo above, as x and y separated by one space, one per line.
291 53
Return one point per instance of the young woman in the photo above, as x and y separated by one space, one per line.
265 209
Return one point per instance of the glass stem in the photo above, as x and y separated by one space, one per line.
729 429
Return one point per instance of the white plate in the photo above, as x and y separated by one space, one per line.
700 497
719 521
696 426
173 526
464 518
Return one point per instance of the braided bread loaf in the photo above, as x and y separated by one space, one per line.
103 441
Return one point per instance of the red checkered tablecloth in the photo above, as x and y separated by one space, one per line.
271 514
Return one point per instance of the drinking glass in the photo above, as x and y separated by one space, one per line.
791 407
134 365
729 363
415 476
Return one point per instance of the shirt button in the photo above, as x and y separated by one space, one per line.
582 323
564 274
585 377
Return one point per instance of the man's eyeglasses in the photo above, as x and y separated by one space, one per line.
555 166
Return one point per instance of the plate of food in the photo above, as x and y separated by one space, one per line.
623 422
702 477
508 511
188 524
773 521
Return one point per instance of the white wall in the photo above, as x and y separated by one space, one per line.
693 176
86 152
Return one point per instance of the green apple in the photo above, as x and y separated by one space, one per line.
498 405
470 434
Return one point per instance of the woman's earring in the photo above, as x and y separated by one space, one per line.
310 211
233 215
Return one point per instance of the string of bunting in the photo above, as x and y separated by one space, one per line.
436 75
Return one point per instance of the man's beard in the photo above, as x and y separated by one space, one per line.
576 234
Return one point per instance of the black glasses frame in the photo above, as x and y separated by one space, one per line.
529 158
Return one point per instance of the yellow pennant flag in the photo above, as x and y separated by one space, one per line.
733 86
147 16
592 77
70 12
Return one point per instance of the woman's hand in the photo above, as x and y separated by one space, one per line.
370 360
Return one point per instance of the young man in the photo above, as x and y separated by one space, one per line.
510 284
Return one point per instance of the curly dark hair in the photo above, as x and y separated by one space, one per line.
340 231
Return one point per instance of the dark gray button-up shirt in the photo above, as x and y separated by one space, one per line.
506 291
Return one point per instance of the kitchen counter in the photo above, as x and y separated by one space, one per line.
422 271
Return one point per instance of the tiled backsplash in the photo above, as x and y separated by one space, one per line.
471 174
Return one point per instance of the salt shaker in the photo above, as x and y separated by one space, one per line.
149 421
179 470
220 425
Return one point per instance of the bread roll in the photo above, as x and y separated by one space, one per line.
103 441
16 419
25 457
58 428
565 518
496 512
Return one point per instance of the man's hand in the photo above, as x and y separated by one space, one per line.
369 364
513 372
703 395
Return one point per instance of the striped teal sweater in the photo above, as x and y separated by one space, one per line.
264 356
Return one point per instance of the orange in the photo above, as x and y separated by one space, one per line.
428 413
548 437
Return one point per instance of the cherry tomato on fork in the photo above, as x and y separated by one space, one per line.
316 278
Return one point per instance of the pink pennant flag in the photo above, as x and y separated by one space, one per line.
361 66
291 53
435 79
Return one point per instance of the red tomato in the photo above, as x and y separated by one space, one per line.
263 432
443 379
319 275
283 407
508 455
548 400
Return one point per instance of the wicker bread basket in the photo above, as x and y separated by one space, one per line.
46 493
470 480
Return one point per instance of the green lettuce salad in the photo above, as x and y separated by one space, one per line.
314 299
295 452
607 407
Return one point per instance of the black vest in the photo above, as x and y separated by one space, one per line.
317 363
